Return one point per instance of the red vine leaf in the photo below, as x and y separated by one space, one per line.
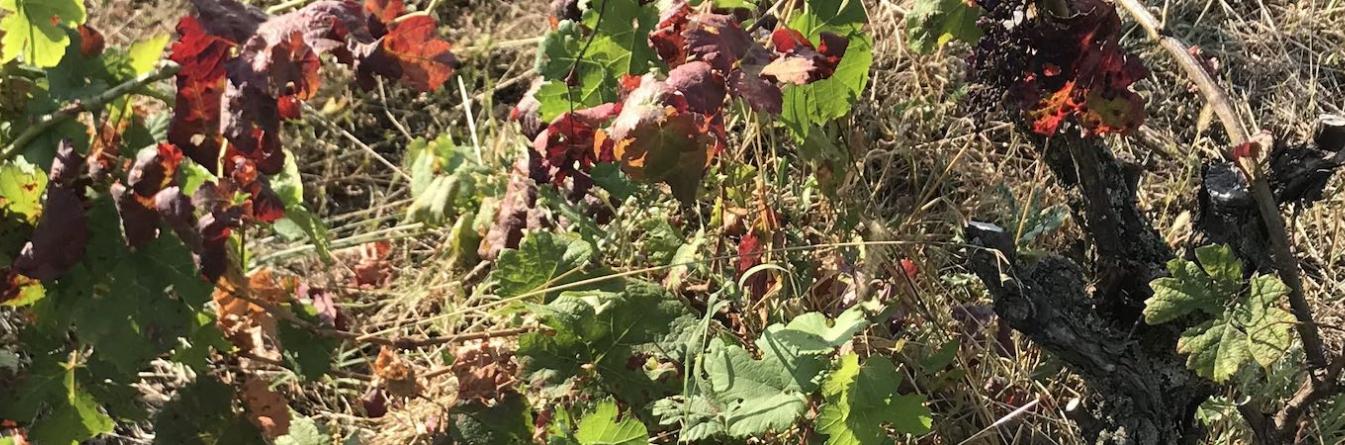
666 38
91 42
1080 71
154 169
567 144
426 61
517 211
61 235
656 141
139 222
800 63
200 83
384 11
717 39
702 88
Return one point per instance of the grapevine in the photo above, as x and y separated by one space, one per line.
589 222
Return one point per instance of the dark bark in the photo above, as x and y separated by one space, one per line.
1142 392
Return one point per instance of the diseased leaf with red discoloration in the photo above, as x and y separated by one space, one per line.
215 226
656 141
1080 71
200 84
139 222
748 84
426 61
91 42
749 256
667 37
702 88
516 211
800 63
154 169
567 144
61 235
384 11
717 39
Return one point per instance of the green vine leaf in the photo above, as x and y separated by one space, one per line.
304 431
202 414
599 332
862 401
73 415
622 37
809 106
813 333
35 30
760 395
933 23
542 260
601 427
1247 325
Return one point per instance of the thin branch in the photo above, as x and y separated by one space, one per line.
316 116
93 103
1281 250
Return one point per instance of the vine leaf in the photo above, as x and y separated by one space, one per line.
802 63
35 30
607 334
21 187
542 260
1205 287
1081 71
814 333
861 401
759 396
202 414
200 84
1247 325
807 107
933 23
304 431
62 233
626 25
426 61
659 140
75 415
601 427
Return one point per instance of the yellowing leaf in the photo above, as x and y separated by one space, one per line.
145 54
601 427
21 186
35 30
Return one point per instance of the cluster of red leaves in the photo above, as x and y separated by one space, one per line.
1079 71
668 130
242 73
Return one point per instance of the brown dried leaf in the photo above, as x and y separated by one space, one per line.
396 373
265 408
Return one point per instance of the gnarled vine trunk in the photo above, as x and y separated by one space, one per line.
1142 392
1141 389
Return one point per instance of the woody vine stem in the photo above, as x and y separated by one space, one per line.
1322 376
